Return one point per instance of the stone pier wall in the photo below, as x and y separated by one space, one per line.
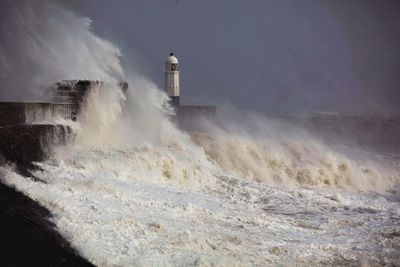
13 113
29 131
26 143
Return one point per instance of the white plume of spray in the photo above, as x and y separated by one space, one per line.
42 43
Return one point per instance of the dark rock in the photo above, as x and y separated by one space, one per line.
28 237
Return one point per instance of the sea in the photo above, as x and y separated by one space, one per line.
134 191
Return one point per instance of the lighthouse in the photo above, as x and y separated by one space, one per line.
184 115
172 79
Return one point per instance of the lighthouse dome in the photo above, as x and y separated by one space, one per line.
172 59
172 63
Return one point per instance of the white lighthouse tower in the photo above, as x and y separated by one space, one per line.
172 79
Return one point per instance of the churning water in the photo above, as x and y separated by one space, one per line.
177 203
133 190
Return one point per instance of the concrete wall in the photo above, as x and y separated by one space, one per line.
29 130
22 144
12 113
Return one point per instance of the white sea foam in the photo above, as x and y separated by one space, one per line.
164 200
140 207
133 190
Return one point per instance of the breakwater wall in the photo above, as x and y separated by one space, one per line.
26 143
13 113
30 130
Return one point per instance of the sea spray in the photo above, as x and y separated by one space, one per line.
43 43
141 207
100 113
133 190
272 151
